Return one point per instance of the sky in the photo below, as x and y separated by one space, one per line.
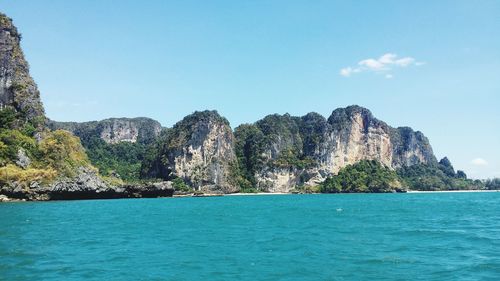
430 65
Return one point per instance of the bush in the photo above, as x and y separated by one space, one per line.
13 173
7 118
12 141
4 153
364 176
63 152
122 158
179 185
438 176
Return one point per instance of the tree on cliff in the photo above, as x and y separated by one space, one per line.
364 176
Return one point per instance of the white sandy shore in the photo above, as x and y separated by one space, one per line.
257 193
230 194
451 191
285 193
409 191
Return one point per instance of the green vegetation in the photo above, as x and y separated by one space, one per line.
371 176
307 189
11 119
24 160
7 118
364 176
249 146
63 152
439 176
153 163
183 130
11 141
492 184
121 160
156 159
179 185
282 137
277 141
13 173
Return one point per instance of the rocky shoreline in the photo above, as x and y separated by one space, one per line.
85 185
150 190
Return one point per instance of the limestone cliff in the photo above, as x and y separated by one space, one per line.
17 89
305 150
113 130
200 150
281 152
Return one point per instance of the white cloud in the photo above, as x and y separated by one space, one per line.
348 71
384 63
404 61
372 64
479 162
387 58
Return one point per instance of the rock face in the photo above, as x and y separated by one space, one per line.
282 152
114 130
200 150
23 160
85 185
305 150
17 88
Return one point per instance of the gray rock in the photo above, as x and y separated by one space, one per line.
22 159
348 136
200 150
17 88
85 185
150 190
114 130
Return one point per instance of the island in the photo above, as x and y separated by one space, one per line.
350 151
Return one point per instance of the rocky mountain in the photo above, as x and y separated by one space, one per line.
116 146
285 151
200 150
282 152
113 130
17 89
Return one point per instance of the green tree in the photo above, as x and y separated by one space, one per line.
364 176
7 118
62 151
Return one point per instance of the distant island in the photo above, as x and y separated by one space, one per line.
350 151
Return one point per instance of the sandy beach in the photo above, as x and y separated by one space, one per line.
257 193
450 191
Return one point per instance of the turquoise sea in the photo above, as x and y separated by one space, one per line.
438 236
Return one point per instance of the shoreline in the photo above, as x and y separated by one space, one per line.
291 193
450 191
5 199
258 193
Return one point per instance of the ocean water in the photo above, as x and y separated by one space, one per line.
445 236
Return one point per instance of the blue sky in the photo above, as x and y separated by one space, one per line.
165 59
